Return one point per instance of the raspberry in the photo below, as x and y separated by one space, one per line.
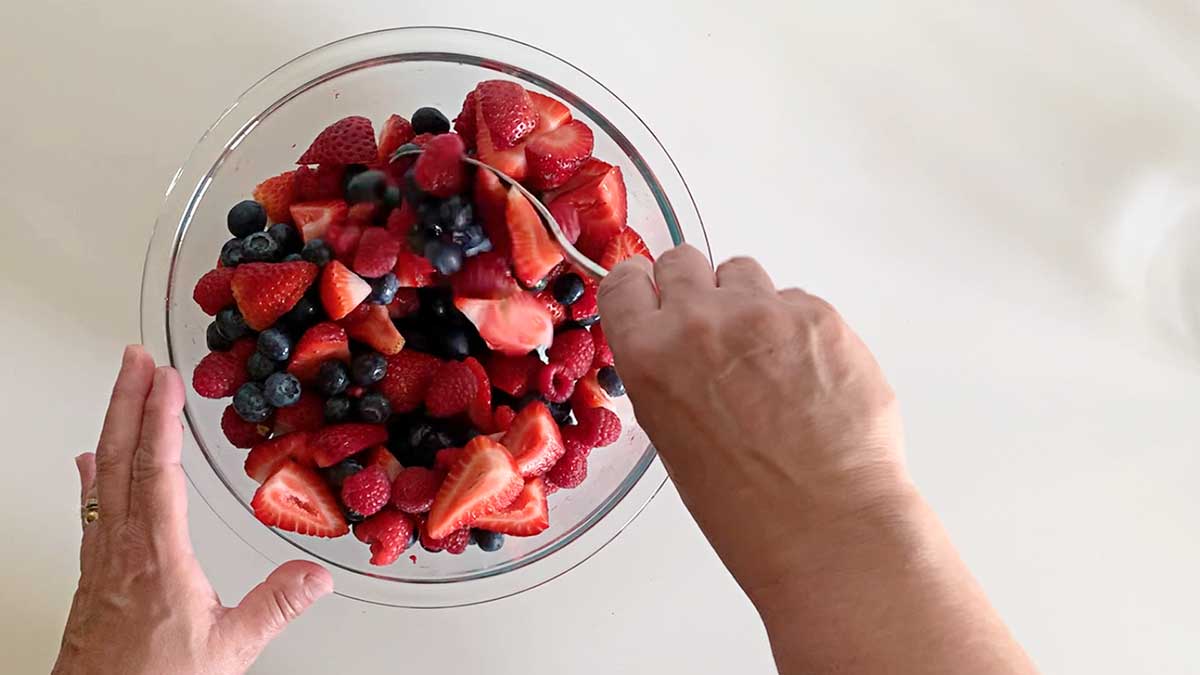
388 532
503 417
377 253
407 379
451 391
587 306
511 374
574 350
367 491
454 543
439 170
571 469
600 426
446 457
604 355
213 291
219 374
415 488
241 434
553 383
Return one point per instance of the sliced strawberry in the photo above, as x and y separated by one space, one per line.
599 203
491 206
507 110
526 516
266 457
406 302
296 499
510 161
314 219
587 307
350 140
362 214
266 291
551 113
567 217
558 313
213 291
276 194
414 271
589 394
534 253
400 221
341 290
372 325
396 132
407 379
502 418
486 275
591 171
515 325
333 444
464 123
511 374
377 253
415 489
480 409
440 170
554 157
484 480
534 440
381 457
624 245
323 342
325 182
307 414
343 239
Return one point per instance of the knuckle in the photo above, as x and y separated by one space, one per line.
285 606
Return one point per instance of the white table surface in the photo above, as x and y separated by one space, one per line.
995 197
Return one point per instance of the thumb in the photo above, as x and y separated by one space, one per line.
270 606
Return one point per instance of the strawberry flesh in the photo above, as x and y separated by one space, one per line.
314 219
534 253
534 440
485 479
372 325
439 169
554 157
323 342
265 458
507 110
514 326
551 113
342 290
527 516
623 246
335 443
296 499
266 291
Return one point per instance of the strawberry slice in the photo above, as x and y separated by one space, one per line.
266 457
526 516
266 291
276 194
343 239
491 205
510 161
534 253
396 131
554 157
484 480
486 275
407 302
464 123
314 219
589 394
317 185
446 458
624 245
558 313
407 379
307 414
511 374
597 197
323 342
515 325
439 170
480 409
377 253
350 140
534 440
381 457
333 444
551 113
400 221
296 499
341 290
372 325
507 110
413 271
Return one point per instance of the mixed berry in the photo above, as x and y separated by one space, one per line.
406 350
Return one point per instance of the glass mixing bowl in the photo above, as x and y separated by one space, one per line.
260 135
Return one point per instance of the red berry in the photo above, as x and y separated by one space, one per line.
534 253
295 498
318 219
341 290
266 291
323 342
600 426
624 245
333 444
372 324
588 305
515 325
464 124
388 533
512 374
396 132
218 375
507 111
454 543
414 489
571 469
266 457
485 479
439 169
413 271
553 383
451 391
317 185
574 350
407 379
276 194
243 347
307 414
604 355
350 140
377 253
407 302
446 457
503 417
213 291
554 157
367 491
558 313
527 516
241 434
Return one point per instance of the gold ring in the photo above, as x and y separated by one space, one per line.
90 512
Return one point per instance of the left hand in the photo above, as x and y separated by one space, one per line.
144 606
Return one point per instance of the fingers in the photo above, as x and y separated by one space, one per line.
744 274
86 464
267 609
158 493
122 428
682 271
627 293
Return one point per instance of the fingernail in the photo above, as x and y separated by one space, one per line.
79 463
128 356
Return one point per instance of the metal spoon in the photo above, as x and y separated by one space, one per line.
578 259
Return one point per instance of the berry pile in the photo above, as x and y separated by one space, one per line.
406 349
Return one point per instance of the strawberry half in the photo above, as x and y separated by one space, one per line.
314 219
323 342
377 253
491 206
372 325
554 157
596 196
439 169
350 140
266 291
325 182
343 239
396 132
624 245
276 194
515 325
534 253
413 271
526 516
486 275
551 113
266 457
480 409
510 161
342 290
534 440
296 499
484 480
507 110
589 394
380 456
333 444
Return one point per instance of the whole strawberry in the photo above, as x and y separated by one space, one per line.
350 140
218 375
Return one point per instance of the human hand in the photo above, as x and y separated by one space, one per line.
144 606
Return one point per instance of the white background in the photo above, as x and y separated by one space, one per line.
1000 199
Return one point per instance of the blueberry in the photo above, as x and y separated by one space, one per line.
333 378
392 196
610 382
561 412
349 174
455 343
316 252
216 341
476 241
488 541
368 186
287 237
353 517
588 320
231 324
338 473
306 313
436 302
274 344
246 218
282 389
455 214
338 409
568 288
231 253
251 403
259 367
383 289
293 257
259 247
367 369
374 408
446 258
430 121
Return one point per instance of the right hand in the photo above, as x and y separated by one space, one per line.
772 417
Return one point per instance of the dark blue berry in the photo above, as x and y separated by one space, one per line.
338 473
250 403
392 196
259 247
430 121
246 218
259 367
374 408
351 171
455 214
231 253
588 320
568 288
287 237
338 409
216 341
446 258
383 289
488 541
367 369
316 252
477 242
610 382
306 313
455 343
561 412
332 378
282 389
231 324
275 344
293 257
368 186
